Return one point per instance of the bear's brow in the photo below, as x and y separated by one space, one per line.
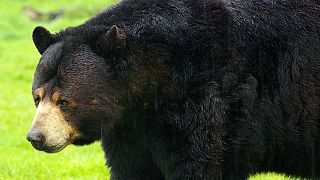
51 58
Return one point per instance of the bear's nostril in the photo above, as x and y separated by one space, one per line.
36 138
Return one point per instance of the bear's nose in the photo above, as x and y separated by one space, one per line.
36 138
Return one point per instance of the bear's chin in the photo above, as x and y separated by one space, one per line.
54 149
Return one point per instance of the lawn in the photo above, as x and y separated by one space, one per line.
18 59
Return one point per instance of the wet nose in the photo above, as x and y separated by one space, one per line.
36 138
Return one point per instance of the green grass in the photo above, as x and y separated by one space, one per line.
18 59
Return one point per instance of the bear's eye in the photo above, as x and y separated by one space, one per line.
63 104
37 101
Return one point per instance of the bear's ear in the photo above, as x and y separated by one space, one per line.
112 42
42 39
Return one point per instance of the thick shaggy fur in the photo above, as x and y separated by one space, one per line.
211 89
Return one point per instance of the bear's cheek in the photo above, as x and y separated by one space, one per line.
50 124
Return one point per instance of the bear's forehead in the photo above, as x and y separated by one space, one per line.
68 66
48 65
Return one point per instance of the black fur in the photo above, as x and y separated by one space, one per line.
209 89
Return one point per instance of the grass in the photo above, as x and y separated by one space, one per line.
18 59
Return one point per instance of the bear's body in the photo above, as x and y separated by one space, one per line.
210 89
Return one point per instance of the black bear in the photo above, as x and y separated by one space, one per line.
186 89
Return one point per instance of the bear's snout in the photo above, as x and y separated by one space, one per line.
50 132
36 138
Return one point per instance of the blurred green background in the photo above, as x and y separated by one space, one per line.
18 59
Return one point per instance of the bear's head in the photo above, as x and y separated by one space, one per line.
84 81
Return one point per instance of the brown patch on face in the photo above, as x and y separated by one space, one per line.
56 97
50 122
39 93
